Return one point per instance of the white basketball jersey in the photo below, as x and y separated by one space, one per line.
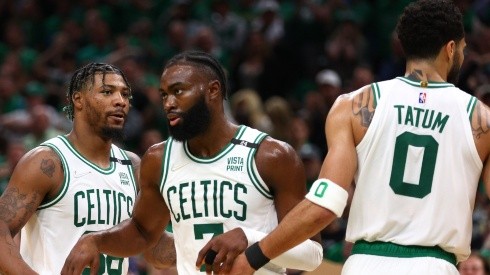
91 199
418 168
209 196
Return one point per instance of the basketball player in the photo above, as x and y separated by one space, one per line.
73 184
416 146
210 177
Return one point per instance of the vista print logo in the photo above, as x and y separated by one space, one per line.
124 178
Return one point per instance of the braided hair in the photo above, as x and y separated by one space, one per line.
205 62
83 78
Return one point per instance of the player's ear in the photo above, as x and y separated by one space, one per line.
450 49
214 90
76 97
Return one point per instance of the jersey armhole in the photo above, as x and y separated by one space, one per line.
66 178
253 172
376 93
165 163
471 107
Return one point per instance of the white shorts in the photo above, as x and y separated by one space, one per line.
362 264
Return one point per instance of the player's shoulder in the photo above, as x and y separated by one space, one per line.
44 166
40 153
272 149
346 105
157 150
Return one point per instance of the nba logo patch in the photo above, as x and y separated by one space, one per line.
422 97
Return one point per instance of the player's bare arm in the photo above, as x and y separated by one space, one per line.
339 166
143 228
286 183
163 254
480 126
36 178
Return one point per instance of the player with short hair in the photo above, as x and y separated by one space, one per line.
416 147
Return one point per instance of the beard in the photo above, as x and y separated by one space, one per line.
453 75
106 132
193 122
116 134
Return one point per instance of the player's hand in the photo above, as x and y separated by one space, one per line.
225 247
241 266
83 255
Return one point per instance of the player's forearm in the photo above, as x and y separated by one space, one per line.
123 240
307 256
163 254
11 261
296 227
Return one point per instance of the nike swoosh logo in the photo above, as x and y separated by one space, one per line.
80 174
177 166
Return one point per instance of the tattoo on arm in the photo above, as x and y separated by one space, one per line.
15 209
48 166
363 106
480 123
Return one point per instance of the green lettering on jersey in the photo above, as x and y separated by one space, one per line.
172 189
183 200
226 214
76 221
90 206
243 215
423 187
440 122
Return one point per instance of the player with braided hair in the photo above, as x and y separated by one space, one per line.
84 77
210 178
72 184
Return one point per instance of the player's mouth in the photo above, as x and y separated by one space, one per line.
118 117
173 119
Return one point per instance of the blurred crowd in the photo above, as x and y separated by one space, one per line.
286 60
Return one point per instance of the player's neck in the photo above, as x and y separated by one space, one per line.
91 146
218 135
422 70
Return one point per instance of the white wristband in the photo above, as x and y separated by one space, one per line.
329 195
307 256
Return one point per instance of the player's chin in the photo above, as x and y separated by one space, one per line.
113 132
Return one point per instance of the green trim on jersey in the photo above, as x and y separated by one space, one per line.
471 106
430 84
165 163
376 93
130 170
107 171
251 173
401 251
220 154
66 178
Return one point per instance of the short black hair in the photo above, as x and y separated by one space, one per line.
427 25
204 61
84 77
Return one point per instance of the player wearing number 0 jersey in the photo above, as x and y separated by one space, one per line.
405 193
209 196
415 146
92 199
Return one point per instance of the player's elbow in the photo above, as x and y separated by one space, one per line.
316 257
